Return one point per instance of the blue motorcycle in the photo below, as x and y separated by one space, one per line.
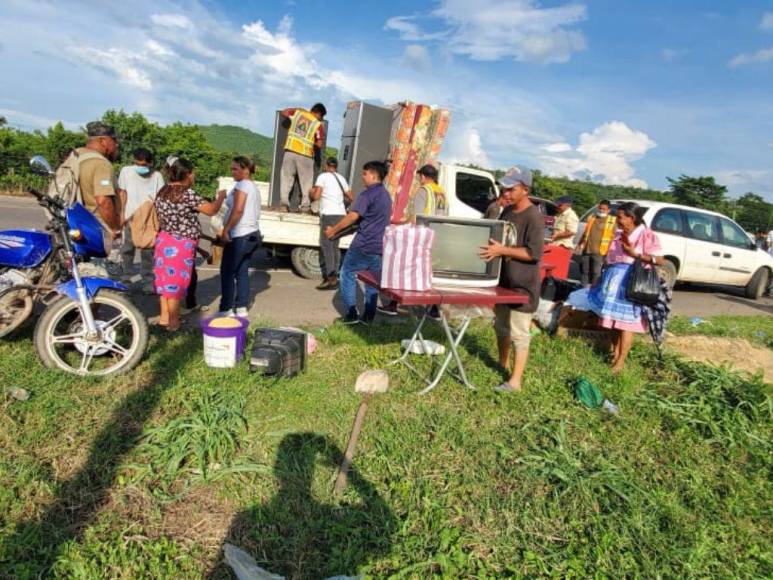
88 325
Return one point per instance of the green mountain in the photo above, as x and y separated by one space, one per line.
238 140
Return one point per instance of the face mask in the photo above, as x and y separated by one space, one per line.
142 170
602 213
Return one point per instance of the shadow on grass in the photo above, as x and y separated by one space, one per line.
33 547
295 534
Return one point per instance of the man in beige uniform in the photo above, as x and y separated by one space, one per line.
97 178
566 224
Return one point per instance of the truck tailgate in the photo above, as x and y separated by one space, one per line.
292 229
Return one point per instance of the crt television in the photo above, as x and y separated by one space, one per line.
455 259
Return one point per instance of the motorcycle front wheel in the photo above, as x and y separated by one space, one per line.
62 341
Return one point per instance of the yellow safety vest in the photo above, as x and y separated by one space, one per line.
301 136
436 201
607 234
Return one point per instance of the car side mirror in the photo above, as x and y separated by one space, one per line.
39 165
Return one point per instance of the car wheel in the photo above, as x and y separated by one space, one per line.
667 271
758 284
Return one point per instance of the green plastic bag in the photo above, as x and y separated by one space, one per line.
588 393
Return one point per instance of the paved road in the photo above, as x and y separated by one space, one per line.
285 298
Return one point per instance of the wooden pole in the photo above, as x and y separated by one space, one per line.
346 464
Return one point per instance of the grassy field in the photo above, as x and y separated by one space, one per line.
756 329
145 476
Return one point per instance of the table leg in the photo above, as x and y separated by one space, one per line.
453 343
456 342
416 335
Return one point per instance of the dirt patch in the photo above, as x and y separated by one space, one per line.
738 353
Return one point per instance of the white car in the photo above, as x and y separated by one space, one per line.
703 246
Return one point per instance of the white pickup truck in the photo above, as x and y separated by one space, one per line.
469 192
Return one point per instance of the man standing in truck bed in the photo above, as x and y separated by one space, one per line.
304 143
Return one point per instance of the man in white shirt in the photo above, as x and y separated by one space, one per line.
331 190
137 184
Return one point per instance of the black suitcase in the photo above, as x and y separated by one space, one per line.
280 353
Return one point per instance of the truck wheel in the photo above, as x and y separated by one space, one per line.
306 263
758 284
667 271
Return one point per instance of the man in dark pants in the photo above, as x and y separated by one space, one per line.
372 210
594 245
331 189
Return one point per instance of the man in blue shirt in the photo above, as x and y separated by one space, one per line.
372 210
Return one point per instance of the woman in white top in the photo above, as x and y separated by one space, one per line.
240 237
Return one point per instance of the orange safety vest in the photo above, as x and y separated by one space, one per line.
302 133
607 234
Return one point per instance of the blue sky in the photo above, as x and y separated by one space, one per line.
616 91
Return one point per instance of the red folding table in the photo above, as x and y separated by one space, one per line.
457 296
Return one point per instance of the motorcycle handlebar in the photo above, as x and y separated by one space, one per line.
45 200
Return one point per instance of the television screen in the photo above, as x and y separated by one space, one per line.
455 259
456 247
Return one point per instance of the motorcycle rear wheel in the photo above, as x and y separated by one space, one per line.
62 342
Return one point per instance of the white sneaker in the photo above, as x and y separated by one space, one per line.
242 313
226 314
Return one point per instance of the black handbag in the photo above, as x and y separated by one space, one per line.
643 284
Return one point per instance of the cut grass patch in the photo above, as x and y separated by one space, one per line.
145 476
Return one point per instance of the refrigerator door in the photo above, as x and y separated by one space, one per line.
365 138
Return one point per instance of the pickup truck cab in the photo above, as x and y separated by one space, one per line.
703 246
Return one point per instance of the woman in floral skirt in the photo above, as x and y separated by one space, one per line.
178 206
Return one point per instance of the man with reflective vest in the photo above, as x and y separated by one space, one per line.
305 137
594 245
429 200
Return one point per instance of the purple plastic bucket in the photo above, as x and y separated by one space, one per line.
224 347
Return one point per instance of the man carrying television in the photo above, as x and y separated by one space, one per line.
520 271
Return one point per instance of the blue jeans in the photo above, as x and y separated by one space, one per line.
358 261
235 271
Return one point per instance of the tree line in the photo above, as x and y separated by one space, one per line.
750 210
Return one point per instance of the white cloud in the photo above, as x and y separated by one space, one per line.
672 54
558 148
467 148
416 57
408 29
497 29
172 21
761 56
126 64
767 21
740 181
605 155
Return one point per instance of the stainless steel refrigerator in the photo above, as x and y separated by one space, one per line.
365 137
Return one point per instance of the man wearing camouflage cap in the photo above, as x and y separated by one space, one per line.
96 176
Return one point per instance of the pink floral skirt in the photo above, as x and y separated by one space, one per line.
172 264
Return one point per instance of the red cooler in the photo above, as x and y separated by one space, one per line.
555 261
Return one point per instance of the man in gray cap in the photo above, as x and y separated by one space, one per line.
520 271
566 224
